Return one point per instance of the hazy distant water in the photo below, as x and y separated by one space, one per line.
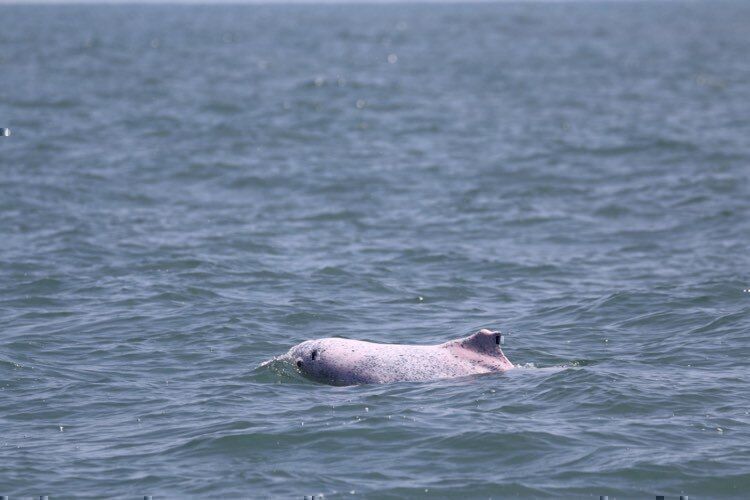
189 191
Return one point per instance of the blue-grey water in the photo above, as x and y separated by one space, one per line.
189 191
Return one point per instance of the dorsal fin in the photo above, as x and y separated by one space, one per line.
482 348
484 341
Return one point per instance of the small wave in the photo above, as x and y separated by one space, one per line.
278 369
542 369
576 363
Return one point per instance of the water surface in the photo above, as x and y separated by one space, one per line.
189 191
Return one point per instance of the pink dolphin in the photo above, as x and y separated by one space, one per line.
349 362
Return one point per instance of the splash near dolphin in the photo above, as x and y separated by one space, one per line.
350 362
